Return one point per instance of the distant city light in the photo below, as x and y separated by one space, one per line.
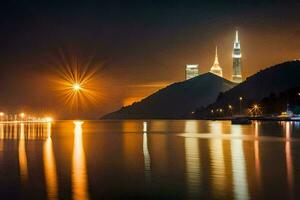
22 115
48 119
78 123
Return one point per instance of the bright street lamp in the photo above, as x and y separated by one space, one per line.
241 99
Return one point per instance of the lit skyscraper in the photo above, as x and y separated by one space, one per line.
191 71
236 55
216 69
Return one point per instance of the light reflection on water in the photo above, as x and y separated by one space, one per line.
79 172
50 166
153 159
289 160
192 155
240 184
147 159
22 153
217 160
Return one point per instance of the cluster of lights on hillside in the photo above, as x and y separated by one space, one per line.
254 110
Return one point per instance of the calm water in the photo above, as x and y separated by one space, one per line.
150 160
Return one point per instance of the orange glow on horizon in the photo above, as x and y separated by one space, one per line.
130 100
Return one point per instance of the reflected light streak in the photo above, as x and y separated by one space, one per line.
15 132
289 160
79 172
22 155
1 136
192 156
217 159
147 159
50 166
240 184
257 157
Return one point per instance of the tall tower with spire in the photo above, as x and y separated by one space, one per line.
236 56
216 69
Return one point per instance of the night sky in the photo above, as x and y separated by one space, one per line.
137 46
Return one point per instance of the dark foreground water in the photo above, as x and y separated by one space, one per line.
150 160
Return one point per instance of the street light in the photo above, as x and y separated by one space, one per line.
241 99
230 109
256 110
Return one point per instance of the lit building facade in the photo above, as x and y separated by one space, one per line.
216 69
191 71
236 56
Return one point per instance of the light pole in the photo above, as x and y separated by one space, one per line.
230 109
241 99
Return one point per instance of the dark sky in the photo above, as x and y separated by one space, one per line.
143 45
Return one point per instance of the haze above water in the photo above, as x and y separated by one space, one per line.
152 159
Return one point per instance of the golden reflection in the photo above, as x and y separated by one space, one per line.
217 159
132 144
240 184
159 149
289 160
1 136
50 166
256 156
79 172
147 159
192 156
22 155
15 132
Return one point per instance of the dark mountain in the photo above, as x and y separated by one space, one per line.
270 81
175 101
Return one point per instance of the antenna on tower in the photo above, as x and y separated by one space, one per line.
236 35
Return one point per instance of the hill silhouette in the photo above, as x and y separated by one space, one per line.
177 100
273 80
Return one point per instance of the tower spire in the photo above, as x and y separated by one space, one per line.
237 36
236 56
216 57
216 69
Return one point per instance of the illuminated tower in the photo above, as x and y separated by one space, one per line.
216 69
236 56
191 71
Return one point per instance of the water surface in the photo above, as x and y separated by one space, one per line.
154 159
